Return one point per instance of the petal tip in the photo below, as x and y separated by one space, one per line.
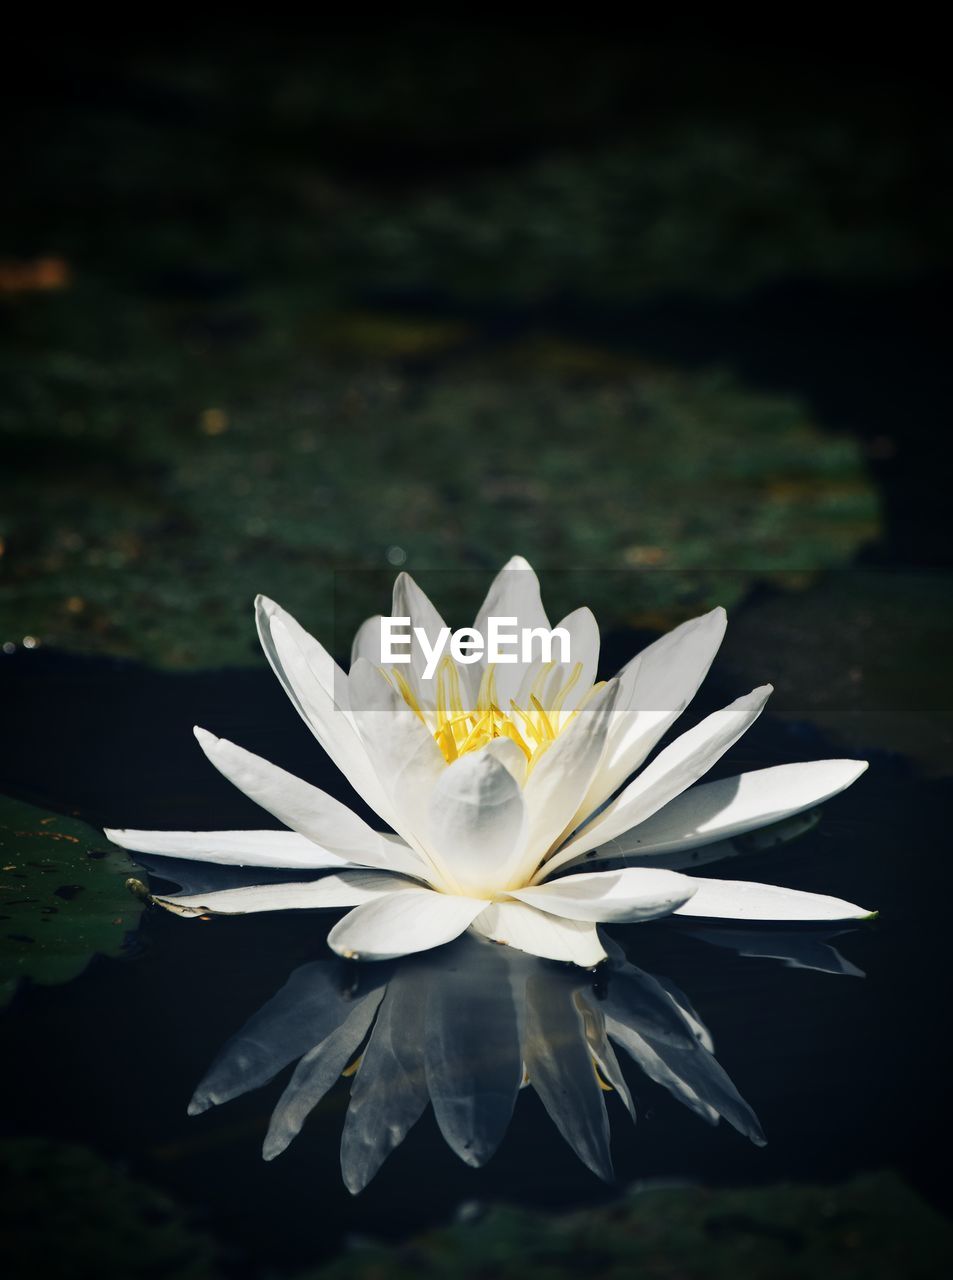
518 562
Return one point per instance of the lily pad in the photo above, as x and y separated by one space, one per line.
67 1213
875 1227
63 897
691 484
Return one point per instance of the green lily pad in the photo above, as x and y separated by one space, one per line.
63 897
874 1227
67 1213
172 508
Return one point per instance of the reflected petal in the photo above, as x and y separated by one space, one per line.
317 1071
302 1014
389 1093
473 1059
795 950
560 1069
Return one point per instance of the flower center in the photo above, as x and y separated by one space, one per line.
532 726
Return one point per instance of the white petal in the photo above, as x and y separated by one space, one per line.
476 820
304 808
231 848
410 602
657 685
527 929
318 688
367 641
514 593
743 900
509 755
348 889
634 893
720 810
670 773
399 745
560 779
401 923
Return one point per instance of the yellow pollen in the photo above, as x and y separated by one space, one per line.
458 729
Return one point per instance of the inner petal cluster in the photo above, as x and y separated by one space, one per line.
532 723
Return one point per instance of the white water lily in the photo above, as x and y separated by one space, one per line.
504 785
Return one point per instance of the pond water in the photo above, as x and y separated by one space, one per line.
836 1043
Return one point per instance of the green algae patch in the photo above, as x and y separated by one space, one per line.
874 1228
62 897
166 497
67 1212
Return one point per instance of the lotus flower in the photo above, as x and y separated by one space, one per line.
504 786
463 1029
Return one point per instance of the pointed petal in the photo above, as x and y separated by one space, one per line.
476 820
402 923
680 1059
367 641
231 848
319 690
802 950
732 806
691 1075
411 602
634 893
389 1094
583 632
348 889
472 1049
561 778
303 1013
399 745
554 938
306 809
744 900
509 755
657 686
315 1074
670 773
603 1054
514 593
560 1069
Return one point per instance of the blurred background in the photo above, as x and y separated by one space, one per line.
287 310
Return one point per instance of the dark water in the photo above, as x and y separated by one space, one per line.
846 1074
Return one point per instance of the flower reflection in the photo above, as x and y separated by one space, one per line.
464 1029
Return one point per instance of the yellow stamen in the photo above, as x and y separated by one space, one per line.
603 1083
457 730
